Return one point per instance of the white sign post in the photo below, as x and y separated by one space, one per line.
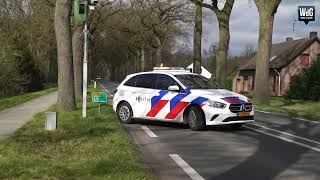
91 4
85 71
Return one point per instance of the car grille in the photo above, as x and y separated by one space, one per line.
240 107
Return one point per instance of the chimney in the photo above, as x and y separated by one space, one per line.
289 39
313 34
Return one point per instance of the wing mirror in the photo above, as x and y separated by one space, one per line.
173 88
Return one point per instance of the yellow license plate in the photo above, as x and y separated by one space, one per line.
243 114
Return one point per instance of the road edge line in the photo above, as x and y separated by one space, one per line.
288 134
149 132
186 167
285 139
296 118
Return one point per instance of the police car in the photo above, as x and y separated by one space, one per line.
180 96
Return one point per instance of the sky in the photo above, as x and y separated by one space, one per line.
244 24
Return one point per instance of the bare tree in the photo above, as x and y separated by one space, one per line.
161 18
223 17
197 37
248 51
66 96
266 9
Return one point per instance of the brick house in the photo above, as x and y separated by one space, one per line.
287 58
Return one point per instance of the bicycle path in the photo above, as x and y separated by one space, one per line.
13 118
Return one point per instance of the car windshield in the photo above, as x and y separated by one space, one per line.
192 81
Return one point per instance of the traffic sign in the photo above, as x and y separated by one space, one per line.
99 97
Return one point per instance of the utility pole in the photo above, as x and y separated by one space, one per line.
85 71
81 13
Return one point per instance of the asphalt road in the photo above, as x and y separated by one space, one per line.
274 147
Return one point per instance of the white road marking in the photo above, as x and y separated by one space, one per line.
148 131
301 119
186 167
263 111
285 139
288 134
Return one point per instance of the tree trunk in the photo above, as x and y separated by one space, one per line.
223 47
138 61
261 94
197 38
66 97
77 46
151 59
142 59
158 52
266 9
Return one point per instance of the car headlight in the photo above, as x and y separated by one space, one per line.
216 104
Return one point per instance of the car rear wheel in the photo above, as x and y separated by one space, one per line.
124 112
196 119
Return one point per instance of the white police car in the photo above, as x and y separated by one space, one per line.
180 96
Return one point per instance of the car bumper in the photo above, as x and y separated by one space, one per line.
225 116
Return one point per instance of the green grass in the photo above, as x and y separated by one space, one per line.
16 100
96 148
295 108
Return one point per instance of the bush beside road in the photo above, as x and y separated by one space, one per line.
96 148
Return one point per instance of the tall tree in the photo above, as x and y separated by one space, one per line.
223 17
162 19
66 97
267 10
77 47
197 37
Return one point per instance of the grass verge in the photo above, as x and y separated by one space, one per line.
16 100
295 108
95 148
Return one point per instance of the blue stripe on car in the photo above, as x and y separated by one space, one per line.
156 99
199 100
175 100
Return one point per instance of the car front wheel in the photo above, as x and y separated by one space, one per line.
196 119
124 112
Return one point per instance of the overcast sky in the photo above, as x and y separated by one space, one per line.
244 24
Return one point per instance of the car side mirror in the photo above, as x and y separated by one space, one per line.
173 88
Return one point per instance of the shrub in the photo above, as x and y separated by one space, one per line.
306 84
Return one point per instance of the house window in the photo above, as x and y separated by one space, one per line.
304 59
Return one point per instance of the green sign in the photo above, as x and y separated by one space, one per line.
80 11
99 97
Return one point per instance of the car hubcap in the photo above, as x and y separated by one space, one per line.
124 113
192 118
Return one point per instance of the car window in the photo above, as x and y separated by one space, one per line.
164 81
146 81
131 82
192 81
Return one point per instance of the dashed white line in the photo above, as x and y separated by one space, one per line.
148 131
186 167
285 139
288 134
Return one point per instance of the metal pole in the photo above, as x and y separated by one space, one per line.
85 71
99 110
